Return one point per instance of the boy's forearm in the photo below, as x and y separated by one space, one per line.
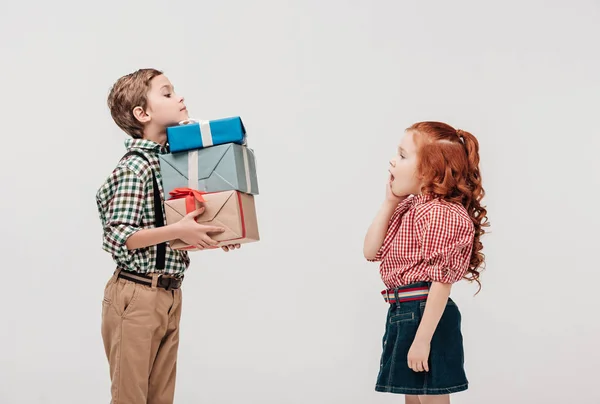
378 229
149 237
434 308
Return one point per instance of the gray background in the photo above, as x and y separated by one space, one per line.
325 89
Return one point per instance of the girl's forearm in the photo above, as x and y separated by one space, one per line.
434 308
378 229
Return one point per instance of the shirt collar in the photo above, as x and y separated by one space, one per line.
145 144
421 199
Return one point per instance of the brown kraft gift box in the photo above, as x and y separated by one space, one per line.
232 210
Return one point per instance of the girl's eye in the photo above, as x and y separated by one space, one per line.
168 95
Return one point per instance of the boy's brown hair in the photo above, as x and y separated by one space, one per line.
128 92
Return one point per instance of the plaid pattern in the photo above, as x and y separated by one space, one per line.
428 240
125 205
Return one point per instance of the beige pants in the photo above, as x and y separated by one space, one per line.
140 330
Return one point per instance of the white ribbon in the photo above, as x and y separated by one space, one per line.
247 169
206 134
193 169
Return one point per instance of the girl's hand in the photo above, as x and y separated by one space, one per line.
418 356
230 247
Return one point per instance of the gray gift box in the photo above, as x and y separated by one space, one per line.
227 167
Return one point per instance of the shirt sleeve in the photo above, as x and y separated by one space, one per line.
393 226
446 244
124 212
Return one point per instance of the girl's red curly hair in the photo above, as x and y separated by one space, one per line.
448 165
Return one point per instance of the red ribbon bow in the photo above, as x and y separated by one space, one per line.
190 195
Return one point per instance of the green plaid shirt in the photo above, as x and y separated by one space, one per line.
126 205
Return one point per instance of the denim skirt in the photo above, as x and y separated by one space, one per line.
446 357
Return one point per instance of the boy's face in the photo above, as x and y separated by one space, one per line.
165 108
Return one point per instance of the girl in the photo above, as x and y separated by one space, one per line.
426 236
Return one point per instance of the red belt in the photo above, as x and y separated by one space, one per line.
405 295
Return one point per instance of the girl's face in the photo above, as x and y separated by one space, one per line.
403 168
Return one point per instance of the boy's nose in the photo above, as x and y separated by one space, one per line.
392 163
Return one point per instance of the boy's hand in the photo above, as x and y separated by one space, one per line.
231 247
193 233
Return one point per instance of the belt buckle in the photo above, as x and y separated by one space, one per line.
162 278
171 281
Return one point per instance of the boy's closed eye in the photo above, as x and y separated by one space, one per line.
167 90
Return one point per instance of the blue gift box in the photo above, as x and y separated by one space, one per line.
203 134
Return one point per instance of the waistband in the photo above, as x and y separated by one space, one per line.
168 282
408 293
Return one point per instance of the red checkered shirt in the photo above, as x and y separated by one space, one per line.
428 239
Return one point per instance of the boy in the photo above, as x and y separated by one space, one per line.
142 300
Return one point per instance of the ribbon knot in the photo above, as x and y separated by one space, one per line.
190 195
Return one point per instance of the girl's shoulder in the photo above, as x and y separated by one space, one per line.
437 209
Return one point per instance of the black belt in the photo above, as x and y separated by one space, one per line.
167 282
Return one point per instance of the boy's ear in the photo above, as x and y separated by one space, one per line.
141 115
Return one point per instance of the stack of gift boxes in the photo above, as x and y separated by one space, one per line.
210 165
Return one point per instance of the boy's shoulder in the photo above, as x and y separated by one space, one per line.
138 161
131 167
141 157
